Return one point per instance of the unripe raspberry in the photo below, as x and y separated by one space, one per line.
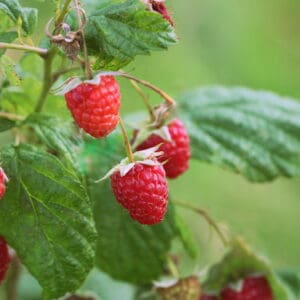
143 191
254 288
95 108
4 258
3 180
176 153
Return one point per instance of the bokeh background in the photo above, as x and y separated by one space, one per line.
253 43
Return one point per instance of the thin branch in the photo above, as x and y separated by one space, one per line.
41 51
11 116
47 81
207 217
63 13
163 94
126 141
144 97
87 66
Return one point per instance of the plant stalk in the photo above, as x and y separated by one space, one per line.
126 142
41 51
48 80
13 279
145 99
63 13
207 217
163 94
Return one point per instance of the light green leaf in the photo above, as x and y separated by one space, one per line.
253 133
46 217
238 263
56 134
15 11
117 32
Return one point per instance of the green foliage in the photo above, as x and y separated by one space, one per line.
118 32
25 15
6 124
58 135
56 237
238 263
7 37
126 250
252 133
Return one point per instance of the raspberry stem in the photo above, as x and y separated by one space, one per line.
63 13
163 94
11 116
207 217
172 267
145 99
42 52
87 66
13 278
126 141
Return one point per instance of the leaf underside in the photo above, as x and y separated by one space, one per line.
253 133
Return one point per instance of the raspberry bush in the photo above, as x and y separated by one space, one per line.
84 188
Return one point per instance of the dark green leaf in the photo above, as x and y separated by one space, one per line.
127 250
292 279
252 133
7 37
56 134
238 263
46 216
6 124
16 12
118 32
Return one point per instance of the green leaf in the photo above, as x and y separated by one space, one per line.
292 278
253 133
6 124
238 263
56 134
117 32
7 37
16 12
186 237
126 250
46 217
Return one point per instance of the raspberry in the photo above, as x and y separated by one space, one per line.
160 7
254 288
176 153
3 179
4 258
95 108
143 191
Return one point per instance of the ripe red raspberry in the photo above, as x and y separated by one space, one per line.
253 288
143 191
4 258
176 153
95 108
3 179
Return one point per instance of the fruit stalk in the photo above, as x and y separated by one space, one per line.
126 141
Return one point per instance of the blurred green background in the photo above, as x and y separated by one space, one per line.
251 43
